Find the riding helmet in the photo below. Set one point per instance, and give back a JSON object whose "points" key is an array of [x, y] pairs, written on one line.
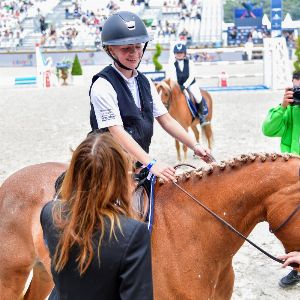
{"points": [[124, 28], [179, 48]]}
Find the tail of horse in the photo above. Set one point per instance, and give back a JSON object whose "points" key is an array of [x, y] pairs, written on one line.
{"points": [[207, 128]]}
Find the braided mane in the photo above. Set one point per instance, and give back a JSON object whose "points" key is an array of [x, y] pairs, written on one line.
{"points": [[235, 162]]}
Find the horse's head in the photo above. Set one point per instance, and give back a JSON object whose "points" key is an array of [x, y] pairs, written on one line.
{"points": [[283, 204], [165, 92]]}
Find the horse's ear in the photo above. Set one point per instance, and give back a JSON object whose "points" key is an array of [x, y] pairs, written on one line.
{"points": [[168, 81]]}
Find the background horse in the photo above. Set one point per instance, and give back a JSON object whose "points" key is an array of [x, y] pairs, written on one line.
{"points": [[192, 251], [174, 99]]}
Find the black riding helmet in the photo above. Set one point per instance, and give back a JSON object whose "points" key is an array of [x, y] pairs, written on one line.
{"points": [[179, 48], [123, 28]]}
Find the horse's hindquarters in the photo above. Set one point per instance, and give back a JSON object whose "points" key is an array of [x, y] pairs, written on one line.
{"points": [[22, 197]]}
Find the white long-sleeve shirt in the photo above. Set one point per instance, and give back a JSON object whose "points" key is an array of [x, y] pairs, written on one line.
{"points": [[194, 88], [171, 72]]}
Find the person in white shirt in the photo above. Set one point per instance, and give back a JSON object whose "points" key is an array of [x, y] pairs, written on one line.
{"points": [[124, 102], [183, 71]]}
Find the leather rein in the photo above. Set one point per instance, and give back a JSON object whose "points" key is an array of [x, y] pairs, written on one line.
{"points": [[229, 226], [286, 220]]}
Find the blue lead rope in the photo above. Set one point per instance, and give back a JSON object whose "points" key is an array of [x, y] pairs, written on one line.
{"points": [[151, 204]]}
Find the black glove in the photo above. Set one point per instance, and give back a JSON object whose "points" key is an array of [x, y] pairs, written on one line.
{"points": [[182, 87]]}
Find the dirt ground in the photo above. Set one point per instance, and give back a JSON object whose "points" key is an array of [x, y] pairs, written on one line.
{"points": [[39, 125]]}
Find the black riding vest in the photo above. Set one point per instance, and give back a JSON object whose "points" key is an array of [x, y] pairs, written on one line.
{"points": [[137, 122], [183, 75]]}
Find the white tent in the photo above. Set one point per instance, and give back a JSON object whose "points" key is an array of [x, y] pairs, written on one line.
{"points": [[266, 21], [288, 22]]}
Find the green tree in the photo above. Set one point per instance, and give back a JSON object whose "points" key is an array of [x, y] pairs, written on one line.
{"points": [[229, 10], [297, 62], [155, 57], [292, 7], [76, 67]]}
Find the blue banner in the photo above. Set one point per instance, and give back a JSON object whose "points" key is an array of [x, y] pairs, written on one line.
{"points": [[276, 17]]}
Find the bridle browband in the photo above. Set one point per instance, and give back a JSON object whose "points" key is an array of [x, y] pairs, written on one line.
{"points": [[229, 226]]}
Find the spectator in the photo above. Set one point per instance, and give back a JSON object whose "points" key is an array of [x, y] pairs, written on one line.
{"points": [[97, 249], [284, 121], [43, 25]]}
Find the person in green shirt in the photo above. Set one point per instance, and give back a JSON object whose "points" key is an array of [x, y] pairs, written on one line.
{"points": [[284, 121]]}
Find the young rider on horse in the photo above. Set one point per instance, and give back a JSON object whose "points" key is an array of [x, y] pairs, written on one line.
{"points": [[183, 71], [125, 103]]}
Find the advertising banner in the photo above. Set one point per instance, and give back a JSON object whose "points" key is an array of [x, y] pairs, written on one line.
{"points": [[276, 17]]}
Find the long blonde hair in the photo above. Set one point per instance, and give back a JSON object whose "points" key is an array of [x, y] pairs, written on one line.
{"points": [[97, 186]]}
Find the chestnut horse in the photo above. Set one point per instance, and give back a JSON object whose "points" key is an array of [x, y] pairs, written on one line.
{"points": [[192, 251], [174, 99]]}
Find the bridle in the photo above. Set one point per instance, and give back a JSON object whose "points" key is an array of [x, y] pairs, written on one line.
{"points": [[286, 220], [229, 226]]}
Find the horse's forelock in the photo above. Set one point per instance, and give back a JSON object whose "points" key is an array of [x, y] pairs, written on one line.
{"points": [[164, 85]]}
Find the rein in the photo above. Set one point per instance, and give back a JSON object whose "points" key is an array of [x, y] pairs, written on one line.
{"points": [[286, 221], [294, 265]]}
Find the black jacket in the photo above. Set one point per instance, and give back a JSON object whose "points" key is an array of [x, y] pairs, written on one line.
{"points": [[125, 265], [137, 122]]}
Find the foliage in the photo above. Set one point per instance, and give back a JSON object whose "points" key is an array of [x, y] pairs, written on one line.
{"points": [[288, 6], [65, 65], [62, 69], [156, 55], [76, 67], [292, 7], [297, 62]]}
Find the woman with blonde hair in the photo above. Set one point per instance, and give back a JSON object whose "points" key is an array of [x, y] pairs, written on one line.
{"points": [[97, 249]]}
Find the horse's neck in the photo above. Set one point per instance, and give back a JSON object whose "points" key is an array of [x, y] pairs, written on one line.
{"points": [[177, 101], [239, 195], [188, 243]]}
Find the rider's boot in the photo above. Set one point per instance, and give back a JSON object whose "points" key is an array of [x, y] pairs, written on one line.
{"points": [[202, 112]]}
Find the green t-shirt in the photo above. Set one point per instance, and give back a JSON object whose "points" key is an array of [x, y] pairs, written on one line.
{"points": [[285, 123]]}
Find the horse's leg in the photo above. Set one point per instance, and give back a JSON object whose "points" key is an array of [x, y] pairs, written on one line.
{"points": [[184, 147], [196, 132], [41, 283], [208, 134], [207, 128], [224, 287], [12, 283], [177, 145], [16, 257]]}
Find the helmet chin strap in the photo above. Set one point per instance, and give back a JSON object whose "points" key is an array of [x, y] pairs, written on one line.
{"points": [[120, 64]]}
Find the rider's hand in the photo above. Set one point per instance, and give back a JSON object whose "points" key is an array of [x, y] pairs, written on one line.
{"points": [[163, 171], [287, 97], [182, 87], [202, 152]]}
